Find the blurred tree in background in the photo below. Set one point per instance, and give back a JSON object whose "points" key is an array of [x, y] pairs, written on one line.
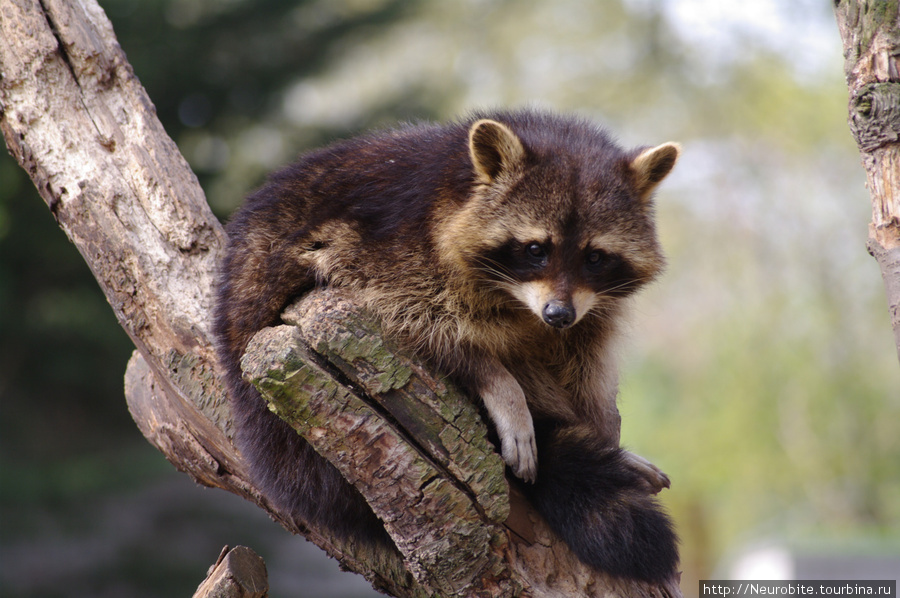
{"points": [[761, 375]]}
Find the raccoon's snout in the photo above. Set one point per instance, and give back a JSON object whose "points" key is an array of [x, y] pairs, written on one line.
{"points": [[559, 314]]}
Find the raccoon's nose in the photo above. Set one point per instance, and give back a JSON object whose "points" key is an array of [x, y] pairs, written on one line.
{"points": [[559, 314]]}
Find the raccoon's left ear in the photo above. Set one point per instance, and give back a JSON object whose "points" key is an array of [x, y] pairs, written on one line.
{"points": [[494, 149], [653, 165]]}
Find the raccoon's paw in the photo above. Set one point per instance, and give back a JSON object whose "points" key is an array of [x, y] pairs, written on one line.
{"points": [[519, 450], [652, 475], [508, 409]]}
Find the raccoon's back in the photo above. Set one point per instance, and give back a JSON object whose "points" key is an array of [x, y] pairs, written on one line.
{"points": [[384, 183]]}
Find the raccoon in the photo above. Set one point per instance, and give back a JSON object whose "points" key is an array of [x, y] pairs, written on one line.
{"points": [[503, 249]]}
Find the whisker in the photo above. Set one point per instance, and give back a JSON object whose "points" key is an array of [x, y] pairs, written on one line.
{"points": [[493, 267], [620, 286]]}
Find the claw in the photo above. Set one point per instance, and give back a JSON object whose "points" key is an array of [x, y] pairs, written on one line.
{"points": [[520, 454], [655, 479]]}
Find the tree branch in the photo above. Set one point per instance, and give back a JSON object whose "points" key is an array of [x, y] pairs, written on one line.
{"points": [[76, 118], [239, 573], [870, 30]]}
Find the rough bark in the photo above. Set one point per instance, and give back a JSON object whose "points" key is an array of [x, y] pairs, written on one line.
{"points": [[76, 118], [238, 573], [870, 30]]}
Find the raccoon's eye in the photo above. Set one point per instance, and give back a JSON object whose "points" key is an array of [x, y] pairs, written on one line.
{"points": [[535, 249], [598, 259]]}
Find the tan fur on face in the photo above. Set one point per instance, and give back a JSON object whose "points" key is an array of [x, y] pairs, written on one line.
{"points": [[584, 301], [533, 294], [536, 294]]}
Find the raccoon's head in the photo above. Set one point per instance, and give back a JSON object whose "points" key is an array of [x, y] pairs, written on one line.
{"points": [[560, 218]]}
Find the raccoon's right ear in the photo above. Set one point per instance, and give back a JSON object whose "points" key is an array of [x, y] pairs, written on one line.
{"points": [[494, 149]]}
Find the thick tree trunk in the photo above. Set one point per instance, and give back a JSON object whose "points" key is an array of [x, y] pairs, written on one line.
{"points": [[870, 30], [75, 116]]}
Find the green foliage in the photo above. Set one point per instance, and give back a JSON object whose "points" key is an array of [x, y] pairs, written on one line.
{"points": [[62, 354]]}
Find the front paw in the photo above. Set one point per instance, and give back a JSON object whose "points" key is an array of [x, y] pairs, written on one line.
{"points": [[519, 450], [653, 476], [508, 409]]}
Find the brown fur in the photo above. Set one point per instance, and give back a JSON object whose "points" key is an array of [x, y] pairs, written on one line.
{"points": [[503, 249]]}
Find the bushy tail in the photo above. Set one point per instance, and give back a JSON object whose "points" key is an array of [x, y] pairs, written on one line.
{"points": [[594, 498]]}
